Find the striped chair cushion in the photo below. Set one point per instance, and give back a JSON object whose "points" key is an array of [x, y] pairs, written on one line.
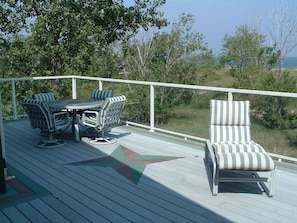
{"points": [[236, 147], [41, 116], [44, 96], [49, 115], [229, 121], [31, 101], [108, 116], [245, 161], [102, 94], [229, 112], [36, 113], [229, 133]]}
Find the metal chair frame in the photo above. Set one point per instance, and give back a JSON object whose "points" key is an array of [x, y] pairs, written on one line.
{"points": [[230, 148], [42, 117], [107, 117]]}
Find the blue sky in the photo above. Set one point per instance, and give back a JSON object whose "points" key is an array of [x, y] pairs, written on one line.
{"points": [[215, 18]]}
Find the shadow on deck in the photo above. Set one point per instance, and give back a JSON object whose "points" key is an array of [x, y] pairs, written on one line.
{"points": [[143, 177]]}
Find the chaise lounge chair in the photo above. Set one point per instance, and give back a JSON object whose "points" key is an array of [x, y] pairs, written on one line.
{"points": [[230, 148]]}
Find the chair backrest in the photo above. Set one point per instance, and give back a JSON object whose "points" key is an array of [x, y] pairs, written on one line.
{"points": [[39, 114], [110, 112], [229, 121], [44, 96], [102, 94]]}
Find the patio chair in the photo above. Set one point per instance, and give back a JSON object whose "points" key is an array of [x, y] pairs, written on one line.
{"points": [[101, 95], [42, 117], [230, 148], [47, 97], [107, 117]]}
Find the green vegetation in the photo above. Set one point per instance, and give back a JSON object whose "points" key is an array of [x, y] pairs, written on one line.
{"points": [[108, 39], [193, 119]]}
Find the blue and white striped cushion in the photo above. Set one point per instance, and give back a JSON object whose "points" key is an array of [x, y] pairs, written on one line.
{"points": [[242, 156], [237, 147], [229, 121], [229, 112], [44, 96], [229, 133], [102, 94], [108, 116], [36, 113], [245, 161]]}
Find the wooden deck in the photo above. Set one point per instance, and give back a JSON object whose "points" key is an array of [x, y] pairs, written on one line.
{"points": [[168, 184]]}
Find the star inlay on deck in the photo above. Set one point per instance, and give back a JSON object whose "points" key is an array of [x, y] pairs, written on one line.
{"points": [[126, 162]]}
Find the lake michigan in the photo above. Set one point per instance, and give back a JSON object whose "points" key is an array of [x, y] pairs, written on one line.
{"points": [[290, 62]]}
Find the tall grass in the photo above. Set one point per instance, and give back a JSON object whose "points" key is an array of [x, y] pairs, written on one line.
{"points": [[193, 121], [187, 120]]}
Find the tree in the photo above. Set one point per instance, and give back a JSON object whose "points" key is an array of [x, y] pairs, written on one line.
{"points": [[283, 33], [68, 36], [242, 51], [179, 56], [276, 112]]}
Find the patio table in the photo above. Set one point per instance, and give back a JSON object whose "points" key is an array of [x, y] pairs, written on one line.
{"points": [[73, 106]]}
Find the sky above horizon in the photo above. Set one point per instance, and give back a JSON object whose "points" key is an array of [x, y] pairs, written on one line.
{"points": [[215, 18]]}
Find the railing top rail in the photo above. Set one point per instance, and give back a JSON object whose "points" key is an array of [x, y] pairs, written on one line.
{"points": [[34, 78], [160, 84], [194, 87]]}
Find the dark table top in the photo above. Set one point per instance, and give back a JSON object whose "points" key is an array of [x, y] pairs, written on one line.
{"points": [[75, 104]]}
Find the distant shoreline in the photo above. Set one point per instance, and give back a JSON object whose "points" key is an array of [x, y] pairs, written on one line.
{"points": [[289, 62]]}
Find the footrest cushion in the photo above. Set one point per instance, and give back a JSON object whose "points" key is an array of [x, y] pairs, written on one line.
{"points": [[242, 156]]}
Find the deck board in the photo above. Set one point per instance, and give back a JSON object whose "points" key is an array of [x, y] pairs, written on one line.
{"points": [[15, 215], [4, 219], [31, 213], [169, 191], [49, 207]]}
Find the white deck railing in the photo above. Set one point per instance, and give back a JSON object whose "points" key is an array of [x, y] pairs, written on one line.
{"points": [[152, 85]]}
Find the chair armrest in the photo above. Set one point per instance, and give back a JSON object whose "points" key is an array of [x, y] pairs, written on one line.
{"points": [[61, 118], [211, 167], [209, 151], [91, 112], [90, 118], [61, 114], [210, 156]]}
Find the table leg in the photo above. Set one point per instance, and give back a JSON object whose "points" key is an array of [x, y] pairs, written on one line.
{"points": [[75, 127], [76, 132]]}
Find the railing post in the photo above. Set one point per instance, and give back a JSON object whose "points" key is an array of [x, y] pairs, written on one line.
{"points": [[2, 153], [230, 96], [74, 88], [152, 108], [14, 100], [100, 85]]}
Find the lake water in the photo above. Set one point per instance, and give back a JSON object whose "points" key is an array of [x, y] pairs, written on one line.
{"points": [[290, 62]]}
